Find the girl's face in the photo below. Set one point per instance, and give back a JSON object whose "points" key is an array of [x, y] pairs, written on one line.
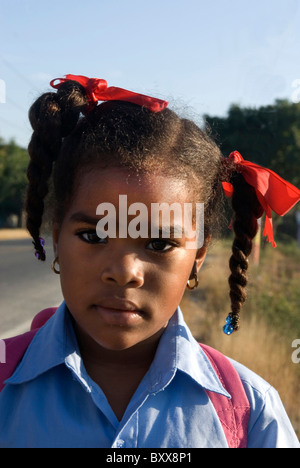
{"points": [[123, 290]]}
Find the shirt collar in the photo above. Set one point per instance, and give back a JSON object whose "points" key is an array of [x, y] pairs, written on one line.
{"points": [[177, 351]]}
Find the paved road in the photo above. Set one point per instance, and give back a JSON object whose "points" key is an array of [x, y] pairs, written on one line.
{"points": [[26, 285]]}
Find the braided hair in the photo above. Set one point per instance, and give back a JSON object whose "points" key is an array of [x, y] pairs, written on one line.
{"points": [[52, 117], [247, 211], [68, 138]]}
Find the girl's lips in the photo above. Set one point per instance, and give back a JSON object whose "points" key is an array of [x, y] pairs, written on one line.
{"points": [[119, 317]]}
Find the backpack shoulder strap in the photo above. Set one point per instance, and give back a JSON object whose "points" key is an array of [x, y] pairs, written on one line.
{"points": [[16, 347], [42, 317], [233, 413]]}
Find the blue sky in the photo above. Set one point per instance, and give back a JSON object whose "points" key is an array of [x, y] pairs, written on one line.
{"points": [[200, 55]]}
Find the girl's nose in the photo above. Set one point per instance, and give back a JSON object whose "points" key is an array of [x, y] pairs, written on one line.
{"points": [[124, 270]]}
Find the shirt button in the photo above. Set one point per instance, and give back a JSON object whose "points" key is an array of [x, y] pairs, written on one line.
{"points": [[120, 443]]}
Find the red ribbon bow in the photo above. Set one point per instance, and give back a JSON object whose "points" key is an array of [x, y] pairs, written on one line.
{"points": [[273, 192], [97, 90]]}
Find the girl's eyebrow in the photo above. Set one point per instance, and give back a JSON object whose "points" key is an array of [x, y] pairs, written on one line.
{"points": [[81, 217], [169, 231]]}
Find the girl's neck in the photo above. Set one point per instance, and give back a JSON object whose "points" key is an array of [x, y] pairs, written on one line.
{"points": [[138, 356], [118, 373]]}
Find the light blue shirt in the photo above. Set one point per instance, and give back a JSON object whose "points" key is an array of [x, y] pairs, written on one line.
{"points": [[50, 400]]}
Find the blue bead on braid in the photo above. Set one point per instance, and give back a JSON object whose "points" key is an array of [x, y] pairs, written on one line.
{"points": [[228, 328]]}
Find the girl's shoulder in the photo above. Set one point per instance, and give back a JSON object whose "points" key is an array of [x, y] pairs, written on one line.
{"points": [[260, 393], [269, 425], [15, 347], [251, 380]]}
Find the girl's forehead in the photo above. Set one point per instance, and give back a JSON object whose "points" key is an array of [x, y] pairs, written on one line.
{"points": [[111, 182]]}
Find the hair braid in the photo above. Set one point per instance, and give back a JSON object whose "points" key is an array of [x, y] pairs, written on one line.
{"points": [[52, 116], [247, 210]]}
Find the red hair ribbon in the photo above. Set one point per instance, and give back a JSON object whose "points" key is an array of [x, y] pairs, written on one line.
{"points": [[97, 90], [273, 192]]}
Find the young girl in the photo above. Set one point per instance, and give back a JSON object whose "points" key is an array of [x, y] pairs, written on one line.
{"points": [[116, 365]]}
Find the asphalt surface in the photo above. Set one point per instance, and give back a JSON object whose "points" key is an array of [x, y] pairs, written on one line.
{"points": [[26, 285]]}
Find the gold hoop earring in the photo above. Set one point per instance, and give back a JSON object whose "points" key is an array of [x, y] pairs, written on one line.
{"points": [[195, 278], [53, 266]]}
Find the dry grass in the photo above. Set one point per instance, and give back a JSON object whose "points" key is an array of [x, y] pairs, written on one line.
{"points": [[260, 344], [7, 234]]}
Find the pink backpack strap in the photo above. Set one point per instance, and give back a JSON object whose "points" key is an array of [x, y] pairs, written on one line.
{"points": [[41, 318], [233, 413], [16, 347]]}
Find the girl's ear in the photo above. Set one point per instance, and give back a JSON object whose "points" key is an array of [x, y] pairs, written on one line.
{"points": [[200, 257], [55, 237], [201, 254]]}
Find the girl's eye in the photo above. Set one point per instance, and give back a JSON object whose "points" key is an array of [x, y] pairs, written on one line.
{"points": [[90, 237], [161, 245], [156, 245]]}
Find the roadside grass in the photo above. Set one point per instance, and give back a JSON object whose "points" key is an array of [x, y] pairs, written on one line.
{"points": [[270, 319], [8, 234]]}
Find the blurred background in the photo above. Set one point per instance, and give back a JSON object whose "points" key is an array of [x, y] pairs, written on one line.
{"points": [[232, 65]]}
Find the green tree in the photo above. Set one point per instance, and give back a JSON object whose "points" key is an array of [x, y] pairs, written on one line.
{"points": [[13, 180], [269, 136]]}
